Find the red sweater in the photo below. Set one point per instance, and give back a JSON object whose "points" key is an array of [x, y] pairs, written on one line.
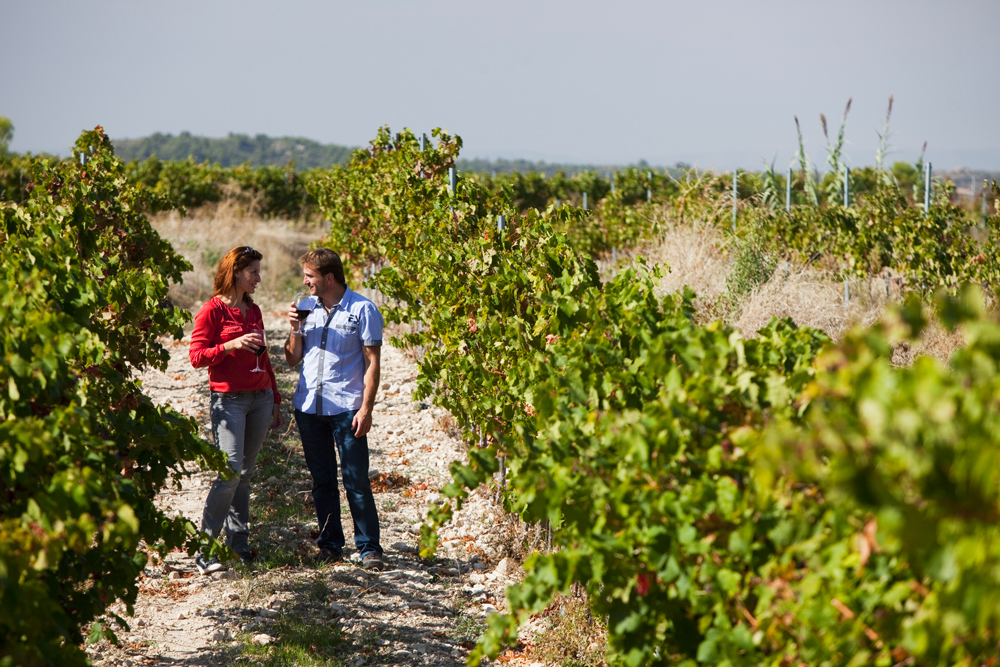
{"points": [[215, 324]]}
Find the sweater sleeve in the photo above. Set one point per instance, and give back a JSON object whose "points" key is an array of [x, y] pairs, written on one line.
{"points": [[206, 324]]}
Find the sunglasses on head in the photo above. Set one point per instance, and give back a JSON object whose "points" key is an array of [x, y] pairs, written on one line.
{"points": [[248, 251]]}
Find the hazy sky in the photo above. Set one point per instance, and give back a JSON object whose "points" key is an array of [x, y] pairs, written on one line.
{"points": [[714, 83]]}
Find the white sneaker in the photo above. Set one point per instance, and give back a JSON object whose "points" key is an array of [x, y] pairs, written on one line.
{"points": [[208, 566]]}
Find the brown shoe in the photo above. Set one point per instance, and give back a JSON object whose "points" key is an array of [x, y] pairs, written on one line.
{"points": [[372, 561]]}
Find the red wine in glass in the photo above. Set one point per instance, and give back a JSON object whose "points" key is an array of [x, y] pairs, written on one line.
{"points": [[300, 312], [261, 349]]}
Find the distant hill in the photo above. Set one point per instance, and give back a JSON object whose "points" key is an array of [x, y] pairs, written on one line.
{"points": [[264, 150], [234, 150]]}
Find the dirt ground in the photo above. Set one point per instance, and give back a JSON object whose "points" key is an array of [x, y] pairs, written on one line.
{"points": [[285, 609]]}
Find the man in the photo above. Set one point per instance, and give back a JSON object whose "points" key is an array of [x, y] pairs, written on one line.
{"points": [[340, 344]]}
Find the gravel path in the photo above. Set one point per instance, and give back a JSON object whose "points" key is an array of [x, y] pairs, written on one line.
{"points": [[285, 609]]}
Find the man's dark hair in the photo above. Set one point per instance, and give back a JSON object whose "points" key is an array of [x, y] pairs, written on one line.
{"points": [[325, 261]]}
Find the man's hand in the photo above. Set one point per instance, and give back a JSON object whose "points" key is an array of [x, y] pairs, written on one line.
{"points": [[362, 423], [277, 419], [294, 346]]}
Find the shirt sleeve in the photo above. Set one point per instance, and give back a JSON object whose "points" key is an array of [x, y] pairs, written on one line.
{"points": [[371, 325], [206, 325]]}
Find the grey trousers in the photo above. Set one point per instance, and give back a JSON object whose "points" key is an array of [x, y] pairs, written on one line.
{"points": [[240, 421]]}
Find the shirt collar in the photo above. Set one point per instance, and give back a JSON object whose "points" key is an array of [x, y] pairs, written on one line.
{"points": [[344, 300]]}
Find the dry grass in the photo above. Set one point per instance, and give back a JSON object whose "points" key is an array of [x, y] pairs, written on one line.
{"points": [[810, 298], [697, 256], [694, 254], [570, 635], [207, 234]]}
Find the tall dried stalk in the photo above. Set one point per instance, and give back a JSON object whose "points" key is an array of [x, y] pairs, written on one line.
{"points": [[810, 183], [833, 153]]}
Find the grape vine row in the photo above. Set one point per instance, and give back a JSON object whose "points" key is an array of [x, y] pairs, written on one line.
{"points": [[82, 451], [704, 486]]}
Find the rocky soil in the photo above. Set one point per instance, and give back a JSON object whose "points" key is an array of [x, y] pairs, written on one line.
{"points": [[285, 609]]}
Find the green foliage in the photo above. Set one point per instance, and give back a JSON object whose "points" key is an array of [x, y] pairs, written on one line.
{"points": [[234, 150], [616, 414], [880, 230], [753, 264], [83, 285], [917, 448], [15, 176], [268, 191], [636, 433], [909, 178], [6, 134]]}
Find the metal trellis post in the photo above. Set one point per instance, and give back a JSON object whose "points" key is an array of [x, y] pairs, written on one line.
{"points": [[984, 202], [927, 189], [788, 192], [736, 175], [847, 186]]}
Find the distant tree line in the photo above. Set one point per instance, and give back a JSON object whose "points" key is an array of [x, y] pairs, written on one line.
{"points": [[236, 149], [549, 169]]}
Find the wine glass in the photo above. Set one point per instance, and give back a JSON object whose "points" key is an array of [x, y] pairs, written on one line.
{"points": [[301, 312], [261, 349]]}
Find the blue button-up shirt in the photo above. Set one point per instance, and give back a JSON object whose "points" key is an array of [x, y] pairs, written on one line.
{"points": [[333, 367]]}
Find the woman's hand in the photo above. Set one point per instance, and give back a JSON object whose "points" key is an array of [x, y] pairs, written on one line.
{"points": [[277, 419], [250, 342]]}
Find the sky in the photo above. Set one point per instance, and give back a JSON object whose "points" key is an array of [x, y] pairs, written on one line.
{"points": [[715, 83]]}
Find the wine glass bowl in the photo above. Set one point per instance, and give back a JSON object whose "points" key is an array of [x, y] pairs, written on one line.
{"points": [[300, 312], [261, 349]]}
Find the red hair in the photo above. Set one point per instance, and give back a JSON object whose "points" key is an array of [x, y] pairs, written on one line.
{"points": [[235, 261]]}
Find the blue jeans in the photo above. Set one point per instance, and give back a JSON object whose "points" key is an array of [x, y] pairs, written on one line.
{"points": [[240, 421], [323, 437]]}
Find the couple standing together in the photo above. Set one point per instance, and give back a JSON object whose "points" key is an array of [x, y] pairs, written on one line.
{"points": [[338, 344]]}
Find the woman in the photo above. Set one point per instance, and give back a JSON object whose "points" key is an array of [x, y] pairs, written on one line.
{"points": [[227, 335]]}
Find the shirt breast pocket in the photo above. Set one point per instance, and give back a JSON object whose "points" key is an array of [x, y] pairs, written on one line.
{"points": [[346, 338]]}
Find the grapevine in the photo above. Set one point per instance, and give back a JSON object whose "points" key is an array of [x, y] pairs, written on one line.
{"points": [[82, 450]]}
